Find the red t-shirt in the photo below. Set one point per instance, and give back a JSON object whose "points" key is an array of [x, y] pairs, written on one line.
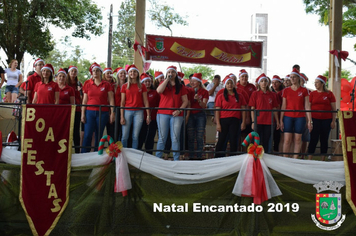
{"points": [[78, 99], [202, 93], [153, 101], [46, 92], [118, 96], [97, 94], [263, 101], [32, 81], [133, 95], [169, 99], [220, 102], [239, 91], [65, 94], [321, 102], [295, 100], [249, 88]]}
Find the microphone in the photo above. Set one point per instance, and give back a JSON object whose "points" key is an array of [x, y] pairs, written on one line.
{"points": [[169, 77], [196, 91]]}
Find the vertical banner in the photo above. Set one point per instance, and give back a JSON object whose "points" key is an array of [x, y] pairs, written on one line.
{"points": [[348, 135], [46, 151]]}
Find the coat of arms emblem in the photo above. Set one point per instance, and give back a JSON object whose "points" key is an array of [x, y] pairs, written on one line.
{"points": [[328, 206], [159, 45]]}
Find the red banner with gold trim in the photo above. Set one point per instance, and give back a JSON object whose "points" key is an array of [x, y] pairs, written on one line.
{"points": [[46, 148], [348, 135], [214, 52]]}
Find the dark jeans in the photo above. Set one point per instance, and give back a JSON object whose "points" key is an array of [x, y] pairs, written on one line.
{"points": [[321, 129], [147, 136], [196, 128], [230, 129], [76, 131], [264, 131]]}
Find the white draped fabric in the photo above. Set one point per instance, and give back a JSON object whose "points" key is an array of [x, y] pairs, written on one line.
{"points": [[193, 172]]}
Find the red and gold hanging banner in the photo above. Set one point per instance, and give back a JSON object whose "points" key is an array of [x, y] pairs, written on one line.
{"points": [[214, 52], [348, 135], [46, 149]]}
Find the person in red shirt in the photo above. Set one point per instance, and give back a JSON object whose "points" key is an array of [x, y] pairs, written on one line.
{"points": [[46, 91], [108, 77], [133, 94], [73, 82], [172, 95], [66, 93], [159, 77], [96, 92], [321, 100], [292, 123], [229, 123], [148, 131], [34, 79], [197, 118], [277, 89], [263, 99]]}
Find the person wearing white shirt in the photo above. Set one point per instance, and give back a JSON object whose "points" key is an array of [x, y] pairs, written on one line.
{"points": [[213, 88], [14, 80]]}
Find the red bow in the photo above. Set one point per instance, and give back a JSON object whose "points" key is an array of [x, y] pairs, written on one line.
{"points": [[343, 54], [114, 150], [255, 150], [143, 49]]}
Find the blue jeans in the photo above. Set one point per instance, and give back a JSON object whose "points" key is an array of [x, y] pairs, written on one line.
{"points": [[211, 105], [294, 124], [196, 128], [134, 117], [92, 125], [173, 124]]}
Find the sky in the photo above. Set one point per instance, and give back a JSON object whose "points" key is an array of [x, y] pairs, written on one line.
{"points": [[294, 37]]}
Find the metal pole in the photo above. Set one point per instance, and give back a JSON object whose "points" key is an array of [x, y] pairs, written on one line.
{"points": [[110, 38]]}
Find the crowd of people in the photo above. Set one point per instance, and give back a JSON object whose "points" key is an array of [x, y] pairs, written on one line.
{"points": [[134, 107]]}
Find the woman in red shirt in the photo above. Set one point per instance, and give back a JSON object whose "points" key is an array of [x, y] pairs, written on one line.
{"points": [[321, 100], [108, 77], [172, 95], [66, 93], [292, 123], [121, 75], [133, 94], [46, 91], [229, 123], [96, 92], [263, 99], [148, 132], [197, 118]]}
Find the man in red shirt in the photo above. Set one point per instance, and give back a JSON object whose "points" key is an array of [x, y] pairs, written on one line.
{"points": [[34, 79]]}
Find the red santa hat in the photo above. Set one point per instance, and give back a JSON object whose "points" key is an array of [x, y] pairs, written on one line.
{"points": [[197, 76], [38, 60], [231, 75], [93, 66], [158, 74], [11, 137], [144, 77], [48, 67], [72, 68], [261, 77], [321, 78], [132, 67], [107, 70], [171, 68], [62, 71], [295, 72], [180, 75], [287, 77], [304, 77], [243, 72], [119, 69], [227, 78], [277, 78]]}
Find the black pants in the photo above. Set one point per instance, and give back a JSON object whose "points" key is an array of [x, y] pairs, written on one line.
{"points": [[264, 131], [321, 129], [76, 131], [230, 128], [147, 136]]}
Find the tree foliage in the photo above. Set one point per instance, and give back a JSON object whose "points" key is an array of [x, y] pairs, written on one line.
{"points": [[24, 24], [322, 8], [206, 71], [344, 74]]}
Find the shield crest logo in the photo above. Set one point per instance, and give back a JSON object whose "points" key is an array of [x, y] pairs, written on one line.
{"points": [[159, 45], [328, 214], [328, 208]]}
